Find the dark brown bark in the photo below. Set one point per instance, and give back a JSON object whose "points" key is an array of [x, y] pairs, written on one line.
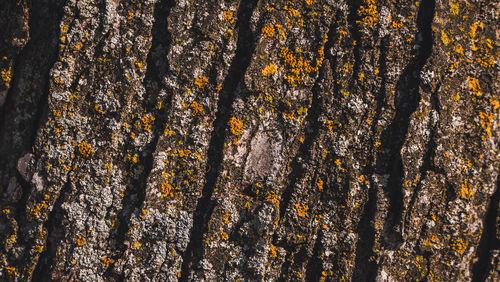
{"points": [[250, 140]]}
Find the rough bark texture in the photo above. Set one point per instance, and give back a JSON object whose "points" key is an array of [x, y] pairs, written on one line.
{"points": [[249, 140]]}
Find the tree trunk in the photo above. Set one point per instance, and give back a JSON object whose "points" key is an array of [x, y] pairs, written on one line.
{"points": [[250, 140]]}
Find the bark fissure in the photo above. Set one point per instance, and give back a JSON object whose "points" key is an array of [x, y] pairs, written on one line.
{"points": [[241, 61], [489, 240], [54, 237], [406, 102], [156, 70]]}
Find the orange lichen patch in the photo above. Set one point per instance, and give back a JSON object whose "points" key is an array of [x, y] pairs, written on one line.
{"points": [[397, 24], [80, 240], [486, 122], [167, 190], [105, 261], [444, 38], [298, 66], [132, 135], [337, 162], [320, 184], [459, 246], [268, 31], [6, 74], [301, 209], [223, 235], [454, 7], [98, 109], [458, 49], [6, 211], [272, 251], [201, 81], [64, 29], [269, 69], [272, 197], [363, 179], [228, 16], [466, 190], [36, 209], [85, 149], [139, 65], [368, 12], [183, 153], [309, 2], [495, 103], [10, 270], [147, 120], [168, 131], [227, 215], [196, 107], [474, 86], [292, 12], [236, 126], [473, 28]]}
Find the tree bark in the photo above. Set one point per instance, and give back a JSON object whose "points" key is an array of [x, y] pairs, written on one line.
{"points": [[249, 140]]}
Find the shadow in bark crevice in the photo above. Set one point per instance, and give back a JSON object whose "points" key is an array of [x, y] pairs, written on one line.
{"points": [[157, 68], [55, 235], [406, 101], [489, 240], [204, 208], [365, 268]]}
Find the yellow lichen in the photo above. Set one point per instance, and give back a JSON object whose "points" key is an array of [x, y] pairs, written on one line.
{"points": [[197, 108], [269, 69], [147, 120], [236, 126], [444, 38], [105, 261], [459, 246], [227, 215], [466, 190], [223, 235], [167, 190], [298, 66], [6, 74], [80, 240], [301, 209], [268, 31], [363, 179], [486, 122], [474, 27], [368, 12], [85, 149], [474, 86], [201, 81], [320, 184], [10, 270], [272, 251], [228, 16]]}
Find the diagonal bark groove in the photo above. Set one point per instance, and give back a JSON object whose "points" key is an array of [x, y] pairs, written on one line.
{"points": [[489, 240], [156, 70], [406, 102], [241, 61]]}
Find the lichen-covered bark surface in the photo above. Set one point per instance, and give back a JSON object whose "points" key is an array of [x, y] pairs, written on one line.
{"points": [[249, 140]]}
